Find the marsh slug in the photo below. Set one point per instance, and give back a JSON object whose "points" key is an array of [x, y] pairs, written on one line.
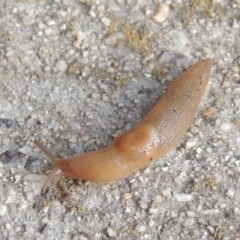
{"points": [[158, 132]]}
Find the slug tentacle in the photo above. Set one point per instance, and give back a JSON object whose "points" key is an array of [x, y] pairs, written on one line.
{"points": [[56, 171], [46, 152]]}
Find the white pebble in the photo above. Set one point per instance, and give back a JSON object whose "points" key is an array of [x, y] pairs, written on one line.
{"points": [[61, 66], [151, 223], [178, 38], [34, 178], [24, 150], [30, 229], [191, 142], [41, 26], [44, 131], [72, 140], [225, 126], [191, 214], [230, 193], [111, 232], [237, 102], [48, 31], [140, 228], [161, 12], [6, 141], [85, 138], [51, 23], [106, 21], [111, 40], [182, 197], [3, 209], [5, 106], [210, 211], [8, 226], [28, 20]]}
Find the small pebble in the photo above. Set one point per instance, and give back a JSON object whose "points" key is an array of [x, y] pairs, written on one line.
{"points": [[48, 31], [106, 21], [237, 102], [178, 38], [25, 150], [230, 193], [3, 209], [5, 106], [44, 131], [111, 232], [30, 229], [161, 12], [140, 228], [111, 40], [126, 196], [8, 226], [225, 127], [182, 197], [61, 66], [191, 142], [85, 138], [210, 211], [191, 214], [34, 178], [28, 20], [151, 223]]}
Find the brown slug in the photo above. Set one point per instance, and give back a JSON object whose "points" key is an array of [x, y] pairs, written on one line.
{"points": [[158, 132]]}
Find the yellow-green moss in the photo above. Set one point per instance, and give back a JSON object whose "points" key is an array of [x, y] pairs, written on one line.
{"points": [[134, 37], [75, 68], [211, 181]]}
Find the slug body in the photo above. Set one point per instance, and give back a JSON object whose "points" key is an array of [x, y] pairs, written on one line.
{"points": [[158, 132]]}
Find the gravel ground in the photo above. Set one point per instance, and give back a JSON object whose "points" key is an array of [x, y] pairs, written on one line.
{"points": [[74, 74]]}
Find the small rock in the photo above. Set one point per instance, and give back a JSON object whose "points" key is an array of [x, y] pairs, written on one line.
{"points": [[140, 228], [182, 197], [191, 214], [3, 209], [8, 157], [236, 102], [34, 177], [44, 131], [29, 166], [111, 232], [28, 20], [85, 138], [106, 21], [210, 211], [191, 142], [48, 31], [178, 38], [5, 106], [161, 12], [30, 229], [230, 193], [61, 66], [111, 40], [126, 196], [25, 150], [225, 126]]}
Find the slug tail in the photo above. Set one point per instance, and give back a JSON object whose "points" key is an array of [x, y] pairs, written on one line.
{"points": [[56, 171]]}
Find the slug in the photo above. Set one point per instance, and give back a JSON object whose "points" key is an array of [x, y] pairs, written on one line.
{"points": [[156, 134]]}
